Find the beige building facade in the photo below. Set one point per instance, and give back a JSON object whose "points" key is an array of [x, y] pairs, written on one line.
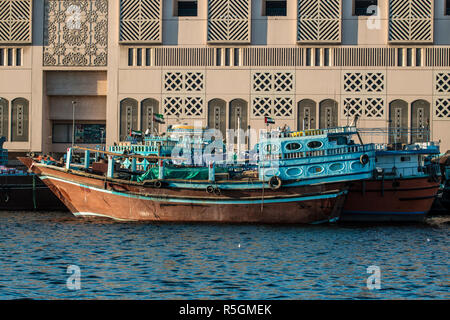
{"points": [[109, 66]]}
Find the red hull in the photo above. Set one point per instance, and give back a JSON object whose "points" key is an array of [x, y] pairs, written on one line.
{"points": [[95, 196], [389, 200]]}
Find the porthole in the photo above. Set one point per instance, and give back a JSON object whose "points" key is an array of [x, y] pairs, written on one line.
{"points": [[315, 144], [337, 167], [316, 170], [294, 172], [293, 146]]}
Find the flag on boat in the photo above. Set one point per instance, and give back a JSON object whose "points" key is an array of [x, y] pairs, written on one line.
{"points": [[269, 120], [158, 118], [135, 133]]}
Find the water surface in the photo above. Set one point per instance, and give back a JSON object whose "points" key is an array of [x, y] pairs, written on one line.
{"points": [[204, 261]]}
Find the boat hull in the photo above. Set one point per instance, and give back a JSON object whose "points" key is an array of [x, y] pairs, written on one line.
{"points": [[27, 192], [390, 200], [100, 197]]}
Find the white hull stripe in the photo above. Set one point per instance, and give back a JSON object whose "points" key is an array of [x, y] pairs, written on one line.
{"points": [[195, 201]]}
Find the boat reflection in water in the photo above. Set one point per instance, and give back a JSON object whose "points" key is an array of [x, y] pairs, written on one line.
{"points": [[292, 177]]}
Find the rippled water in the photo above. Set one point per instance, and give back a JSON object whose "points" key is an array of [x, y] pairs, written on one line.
{"points": [[191, 261]]}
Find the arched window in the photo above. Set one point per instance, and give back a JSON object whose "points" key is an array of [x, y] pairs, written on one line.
{"points": [[19, 120], [217, 116], [128, 117], [238, 116], [306, 118], [398, 122], [420, 121], [328, 114], [4, 115], [149, 107]]}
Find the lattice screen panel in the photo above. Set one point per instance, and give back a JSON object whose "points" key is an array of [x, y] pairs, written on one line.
{"points": [[15, 21], [274, 106], [319, 21], [411, 20], [364, 82], [183, 107], [370, 108], [140, 21], [442, 82], [274, 82], [442, 108], [184, 82], [229, 21]]}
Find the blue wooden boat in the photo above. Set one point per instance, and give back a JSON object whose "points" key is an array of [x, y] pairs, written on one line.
{"points": [[298, 177]]}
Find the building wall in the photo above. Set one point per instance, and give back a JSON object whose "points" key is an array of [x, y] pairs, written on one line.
{"points": [[270, 66]]}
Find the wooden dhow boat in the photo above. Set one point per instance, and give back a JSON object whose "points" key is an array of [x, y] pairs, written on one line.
{"points": [[300, 177]]}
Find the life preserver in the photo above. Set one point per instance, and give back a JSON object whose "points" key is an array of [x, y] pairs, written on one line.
{"points": [[210, 189], [157, 184], [364, 159], [275, 183], [217, 191]]}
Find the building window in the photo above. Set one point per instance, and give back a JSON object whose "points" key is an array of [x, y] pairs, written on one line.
{"points": [[84, 133], [317, 57], [308, 57], [130, 56], [128, 117], [19, 121], [218, 57], [326, 57], [148, 57], [18, 57], [418, 57], [275, 8], [185, 8], [237, 57], [4, 115], [10, 57], [363, 7], [400, 57], [2, 57], [447, 7], [409, 57], [139, 57], [227, 57]]}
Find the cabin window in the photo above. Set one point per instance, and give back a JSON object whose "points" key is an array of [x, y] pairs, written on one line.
{"points": [[364, 7], [340, 141], [315, 144], [294, 146], [185, 8], [405, 159], [275, 8], [447, 7]]}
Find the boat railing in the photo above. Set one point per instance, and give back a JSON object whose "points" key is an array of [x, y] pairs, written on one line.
{"points": [[308, 133], [327, 152]]}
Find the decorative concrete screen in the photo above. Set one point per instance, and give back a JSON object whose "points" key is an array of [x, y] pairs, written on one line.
{"points": [[364, 95], [76, 33], [411, 21], [15, 21], [442, 95], [273, 94], [229, 21], [140, 21], [319, 21], [184, 94]]}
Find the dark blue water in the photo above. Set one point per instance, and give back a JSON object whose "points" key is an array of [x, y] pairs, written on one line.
{"points": [[186, 261]]}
